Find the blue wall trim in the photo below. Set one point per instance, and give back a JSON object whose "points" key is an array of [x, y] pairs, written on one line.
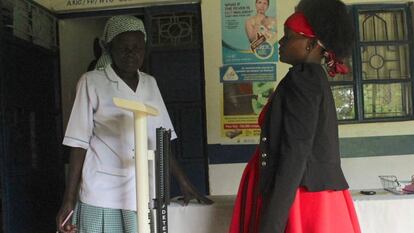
{"points": [[349, 148], [377, 146], [229, 153]]}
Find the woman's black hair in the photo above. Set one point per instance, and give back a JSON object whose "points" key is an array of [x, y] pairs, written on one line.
{"points": [[332, 24]]}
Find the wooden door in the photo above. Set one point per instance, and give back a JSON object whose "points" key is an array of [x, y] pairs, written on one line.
{"points": [[175, 59]]}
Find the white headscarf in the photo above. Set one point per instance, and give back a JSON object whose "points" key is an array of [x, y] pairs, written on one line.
{"points": [[115, 26]]}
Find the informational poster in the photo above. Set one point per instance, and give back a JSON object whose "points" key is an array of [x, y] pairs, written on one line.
{"points": [[242, 103], [249, 31], [248, 74], [263, 72]]}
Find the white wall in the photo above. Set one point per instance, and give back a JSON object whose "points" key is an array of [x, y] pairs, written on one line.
{"points": [[76, 52], [45, 3], [360, 172]]}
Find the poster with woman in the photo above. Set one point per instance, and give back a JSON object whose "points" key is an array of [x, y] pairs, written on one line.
{"points": [[249, 31], [248, 74]]}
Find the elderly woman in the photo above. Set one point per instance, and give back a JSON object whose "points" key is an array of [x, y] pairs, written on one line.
{"points": [[101, 182]]}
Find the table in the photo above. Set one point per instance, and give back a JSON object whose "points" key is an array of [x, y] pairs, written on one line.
{"points": [[385, 212], [196, 218], [381, 213]]}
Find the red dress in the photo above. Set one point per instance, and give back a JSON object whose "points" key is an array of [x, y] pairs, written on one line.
{"points": [[311, 212]]}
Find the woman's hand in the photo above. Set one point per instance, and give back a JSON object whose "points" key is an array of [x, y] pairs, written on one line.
{"points": [[77, 157], [190, 192], [64, 212], [187, 188]]}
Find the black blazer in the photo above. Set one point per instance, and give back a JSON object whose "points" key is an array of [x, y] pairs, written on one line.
{"points": [[299, 144]]}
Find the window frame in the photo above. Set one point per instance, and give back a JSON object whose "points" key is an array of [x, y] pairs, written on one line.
{"points": [[358, 82]]}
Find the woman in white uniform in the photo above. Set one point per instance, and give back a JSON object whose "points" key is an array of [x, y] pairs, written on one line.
{"points": [[101, 182]]}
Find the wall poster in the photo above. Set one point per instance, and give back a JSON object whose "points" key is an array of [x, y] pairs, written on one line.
{"points": [[248, 74], [249, 31]]}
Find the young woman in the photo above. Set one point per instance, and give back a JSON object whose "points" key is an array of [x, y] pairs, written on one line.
{"points": [[101, 182], [294, 182]]}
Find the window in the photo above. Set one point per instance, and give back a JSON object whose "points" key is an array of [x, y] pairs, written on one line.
{"points": [[176, 29], [29, 21], [379, 86]]}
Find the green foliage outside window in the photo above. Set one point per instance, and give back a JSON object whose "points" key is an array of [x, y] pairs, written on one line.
{"points": [[380, 84]]}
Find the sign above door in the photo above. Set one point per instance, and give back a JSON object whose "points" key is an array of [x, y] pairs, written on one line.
{"points": [[69, 6]]}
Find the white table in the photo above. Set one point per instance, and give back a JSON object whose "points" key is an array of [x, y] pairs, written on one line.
{"points": [[196, 218], [380, 213], [385, 212]]}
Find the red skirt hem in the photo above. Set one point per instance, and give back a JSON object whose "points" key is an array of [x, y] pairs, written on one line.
{"points": [[322, 212], [311, 212]]}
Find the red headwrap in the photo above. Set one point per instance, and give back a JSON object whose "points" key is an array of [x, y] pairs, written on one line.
{"points": [[298, 23]]}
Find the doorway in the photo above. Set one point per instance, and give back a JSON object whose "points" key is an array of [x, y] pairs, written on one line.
{"points": [[174, 57]]}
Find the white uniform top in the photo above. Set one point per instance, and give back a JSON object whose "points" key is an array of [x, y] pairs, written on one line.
{"points": [[107, 133]]}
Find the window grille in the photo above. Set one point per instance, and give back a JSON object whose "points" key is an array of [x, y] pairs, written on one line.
{"points": [[379, 88], [172, 30], [27, 21]]}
